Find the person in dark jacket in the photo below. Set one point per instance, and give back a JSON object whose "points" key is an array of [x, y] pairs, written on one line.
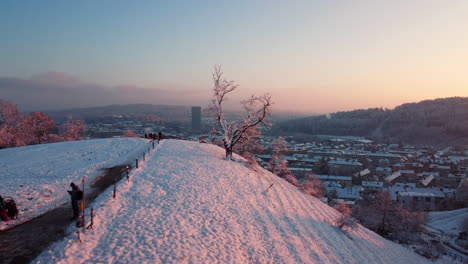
{"points": [[160, 136], [75, 194]]}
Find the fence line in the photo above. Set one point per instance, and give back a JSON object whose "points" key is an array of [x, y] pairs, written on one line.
{"points": [[90, 226]]}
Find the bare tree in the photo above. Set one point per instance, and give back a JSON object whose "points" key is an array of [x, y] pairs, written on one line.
{"points": [[250, 143], [75, 129], [277, 164], [10, 121], [232, 132], [313, 186], [388, 218], [17, 129], [345, 220], [39, 127]]}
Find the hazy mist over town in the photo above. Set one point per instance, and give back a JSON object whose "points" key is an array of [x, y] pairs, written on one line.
{"points": [[234, 132]]}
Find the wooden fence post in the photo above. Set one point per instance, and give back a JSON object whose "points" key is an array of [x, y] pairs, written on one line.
{"points": [[128, 172], [83, 205], [136, 163], [115, 190], [144, 156], [91, 222]]}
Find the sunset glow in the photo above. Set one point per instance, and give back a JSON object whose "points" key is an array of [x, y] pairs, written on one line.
{"points": [[311, 56]]}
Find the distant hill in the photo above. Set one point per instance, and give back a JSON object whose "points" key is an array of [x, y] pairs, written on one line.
{"points": [[436, 122], [172, 112]]}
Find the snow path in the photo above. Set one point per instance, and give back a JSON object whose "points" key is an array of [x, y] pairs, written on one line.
{"points": [[186, 204], [38, 176]]}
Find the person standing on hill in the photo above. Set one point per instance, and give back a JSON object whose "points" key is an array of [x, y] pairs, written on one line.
{"points": [[160, 136], [75, 194]]}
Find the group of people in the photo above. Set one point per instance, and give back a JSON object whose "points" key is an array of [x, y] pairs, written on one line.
{"points": [[154, 136], [9, 211]]}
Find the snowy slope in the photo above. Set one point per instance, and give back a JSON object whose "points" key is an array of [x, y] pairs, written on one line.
{"points": [[188, 205], [38, 176], [450, 222]]}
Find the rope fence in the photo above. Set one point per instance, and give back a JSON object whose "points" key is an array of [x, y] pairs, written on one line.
{"points": [[81, 221]]}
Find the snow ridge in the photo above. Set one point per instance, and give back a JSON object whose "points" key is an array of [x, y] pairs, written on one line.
{"points": [[186, 204]]}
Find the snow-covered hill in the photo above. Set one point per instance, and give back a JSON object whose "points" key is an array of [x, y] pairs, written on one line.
{"points": [[450, 222], [37, 177], [187, 204]]}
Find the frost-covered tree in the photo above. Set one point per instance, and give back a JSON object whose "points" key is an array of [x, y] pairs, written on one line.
{"points": [[129, 133], [250, 143], [75, 128], [313, 186], [277, 164], [385, 216], [17, 129], [234, 131], [345, 220], [10, 121], [39, 127]]}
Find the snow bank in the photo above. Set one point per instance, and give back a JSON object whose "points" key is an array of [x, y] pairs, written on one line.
{"points": [[38, 176], [187, 204], [450, 222]]}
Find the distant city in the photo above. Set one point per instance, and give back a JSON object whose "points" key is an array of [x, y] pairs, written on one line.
{"points": [[351, 168]]}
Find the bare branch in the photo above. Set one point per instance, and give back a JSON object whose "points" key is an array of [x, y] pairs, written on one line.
{"points": [[257, 110]]}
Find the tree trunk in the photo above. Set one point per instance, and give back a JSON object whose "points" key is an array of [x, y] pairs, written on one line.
{"points": [[228, 153]]}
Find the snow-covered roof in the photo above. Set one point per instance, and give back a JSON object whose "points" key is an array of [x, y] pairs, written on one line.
{"points": [[364, 172], [365, 141], [428, 180], [411, 188], [345, 162], [383, 169], [384, 155], [300, 169], [312, 160], [419, 194], [427, 173], [437, 166], [290, 158], [300, 156], [331, 184], [407, 171], [393, 176], [334, 178], [372, 184]]}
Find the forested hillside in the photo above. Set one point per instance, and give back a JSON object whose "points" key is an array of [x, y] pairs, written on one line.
{"points": [[436, 122]]}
